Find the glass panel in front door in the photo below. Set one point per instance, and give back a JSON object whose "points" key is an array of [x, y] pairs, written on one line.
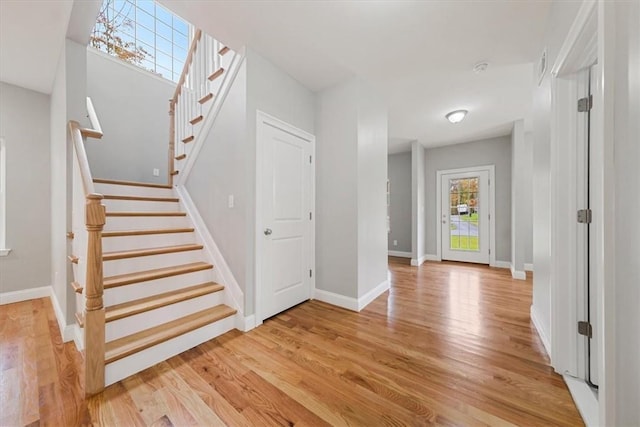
{"points": [[464, 209]]}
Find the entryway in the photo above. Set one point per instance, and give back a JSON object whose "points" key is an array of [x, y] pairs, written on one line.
{"points": [[465, 199], [285, 237]]}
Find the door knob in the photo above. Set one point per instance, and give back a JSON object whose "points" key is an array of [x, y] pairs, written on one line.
{"points": [[267, 231]]}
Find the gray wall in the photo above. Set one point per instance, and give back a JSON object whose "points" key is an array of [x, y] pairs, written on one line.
{"points": [[132, 106], [495, 151], [560, 19], [399, 172], [24, 125], [227, 164]]}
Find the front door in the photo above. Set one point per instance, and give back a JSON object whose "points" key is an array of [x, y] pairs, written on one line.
{"points": [[286, 198], [465, 216]]}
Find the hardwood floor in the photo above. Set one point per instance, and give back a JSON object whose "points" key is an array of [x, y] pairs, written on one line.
{"points": [[449, 344]]}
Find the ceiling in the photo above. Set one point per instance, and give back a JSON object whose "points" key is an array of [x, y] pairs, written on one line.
{"points": [[418, 54], [31, 38]]}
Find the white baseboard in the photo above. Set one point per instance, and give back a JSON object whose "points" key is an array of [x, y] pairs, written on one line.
{"points": [[528, 267], [517, 274], [374, 293], [66, 331], [245, 323], [349, 303], [400, 254], [432, 257], [233, 293], [501, 264], [535, 318], [585, 400], [418, 262], [24, 295], [78, 337]]}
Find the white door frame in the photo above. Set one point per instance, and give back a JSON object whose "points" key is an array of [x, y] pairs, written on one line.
{"points": [[492, 208], [581, 48], [264, 119]]}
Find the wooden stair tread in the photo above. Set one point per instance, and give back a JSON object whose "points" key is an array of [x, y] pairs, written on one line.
{"points": [[206, 98], [216, 74], [141, 198], [77, 287], [158, 273], [157, 213], [223, 51], [126, 346], [110, 256], [146, 232], [188, 139], [174, 173], [74, 259], [196, 120], [133, 183], [180, 157], [80, 319], [130, 308]]}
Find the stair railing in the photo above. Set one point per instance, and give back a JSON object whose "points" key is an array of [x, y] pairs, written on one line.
{"points": [[87, 241], [204, 72]]}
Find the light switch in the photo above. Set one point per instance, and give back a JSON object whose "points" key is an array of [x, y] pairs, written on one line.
{"points": [[156, 172], [231, 201]]}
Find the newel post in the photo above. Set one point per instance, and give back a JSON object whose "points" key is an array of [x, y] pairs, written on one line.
{"points": [[94, 334]]}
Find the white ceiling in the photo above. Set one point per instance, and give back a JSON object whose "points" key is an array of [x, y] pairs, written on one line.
{"points": [[418, 54], [32, 35]]}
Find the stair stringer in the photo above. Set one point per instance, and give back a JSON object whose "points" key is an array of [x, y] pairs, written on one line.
{"points": [[233, 295], [210, 118]]}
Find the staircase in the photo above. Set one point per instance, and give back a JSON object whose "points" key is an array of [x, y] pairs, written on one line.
{"points": [[160, 297]]}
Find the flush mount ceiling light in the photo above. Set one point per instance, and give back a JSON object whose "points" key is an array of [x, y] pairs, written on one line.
{"points": [[456, 116], [480, 67]]}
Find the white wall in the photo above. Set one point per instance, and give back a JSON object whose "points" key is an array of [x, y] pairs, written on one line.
{"points": [[494, 151], [418, 197], [132, 106], [226, 164], [337, 190], [561, 17], [372, 190], [351, 151], [627, 204], [24, 125], [399, 172]]}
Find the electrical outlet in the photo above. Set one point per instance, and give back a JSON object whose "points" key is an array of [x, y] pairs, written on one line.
{"points": [[156, 172], [231, 201], [395, 243]]}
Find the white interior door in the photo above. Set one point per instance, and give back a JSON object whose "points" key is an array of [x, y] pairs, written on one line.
{"points": [[465, 216], [286, 198]]}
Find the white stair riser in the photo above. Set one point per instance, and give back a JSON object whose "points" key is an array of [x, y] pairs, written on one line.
{"points": [[122, 223], [134, 291], [142, 360], [110, 244], [139, 322], [151, 262], [133, 190], [140, 206]]}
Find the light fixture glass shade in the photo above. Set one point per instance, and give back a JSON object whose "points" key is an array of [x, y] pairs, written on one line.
{"points": [[456, 116]]}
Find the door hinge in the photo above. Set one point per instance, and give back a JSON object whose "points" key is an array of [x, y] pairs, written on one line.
{"points": [[310, 157], [584, 328], [310, 273], [489, 251], [585, 104], [584, 216]]}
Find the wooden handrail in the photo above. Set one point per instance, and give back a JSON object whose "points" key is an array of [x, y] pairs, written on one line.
{"points": [[96, 132], [187, 65], [81, 154]]}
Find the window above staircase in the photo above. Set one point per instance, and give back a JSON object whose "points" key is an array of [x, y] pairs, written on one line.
{"points": [[145, 34]]}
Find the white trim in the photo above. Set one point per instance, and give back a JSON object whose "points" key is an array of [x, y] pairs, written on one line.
{"points": [[544, 337], [585, 400], [245, 323], [210, 119], [492, 208], [400, 254], [66, 331], [501, 264], [517, 274], [419, 261], [338, 300], [24, 295], [5, 252], [78, 337], [528, 267], [374, 293], [261, 119], [233, 295], [432, 257]]}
